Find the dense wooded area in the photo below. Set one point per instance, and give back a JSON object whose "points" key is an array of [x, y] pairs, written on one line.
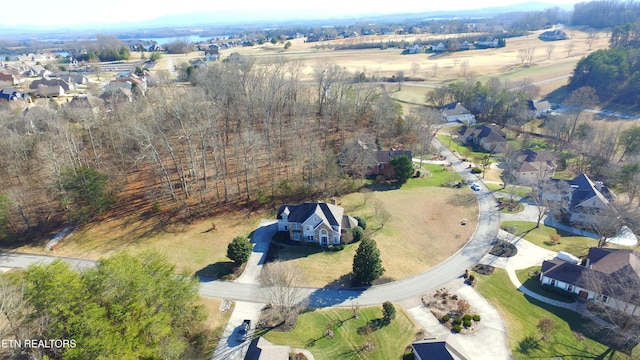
{"points": [[240, 132]]}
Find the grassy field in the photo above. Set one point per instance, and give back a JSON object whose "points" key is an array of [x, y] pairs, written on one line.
{"points": [[521, 315], [390, 341], [423, 230], [191, 247], [576, 245]]}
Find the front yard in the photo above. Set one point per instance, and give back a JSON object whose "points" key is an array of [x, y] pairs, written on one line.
{"points": [[541, 236], [423, 230], [389, 341], [574, 335]]}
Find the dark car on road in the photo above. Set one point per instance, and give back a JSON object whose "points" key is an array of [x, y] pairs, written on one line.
{"points": [[243, 332]]}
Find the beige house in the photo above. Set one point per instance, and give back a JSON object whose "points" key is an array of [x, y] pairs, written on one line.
{"points": [[488, 136], [535, 166], [589, 200]]}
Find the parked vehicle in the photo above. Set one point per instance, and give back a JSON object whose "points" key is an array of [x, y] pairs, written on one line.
{"points": [[243, 332], [475, 187]]}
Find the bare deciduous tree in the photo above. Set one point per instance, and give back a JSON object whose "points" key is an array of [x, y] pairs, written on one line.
{"points": [[280, 281]]}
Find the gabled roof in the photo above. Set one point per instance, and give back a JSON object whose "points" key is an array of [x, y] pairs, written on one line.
{"points": [[383, 157], [490, 132], [454, 109], [539, 105], [618, 268], [440, 348], [535, 160], [301, 212], [585, 189]]}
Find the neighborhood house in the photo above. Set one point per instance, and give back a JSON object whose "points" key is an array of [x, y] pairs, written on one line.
{"points": [[319, 222], [606, 278], [534, 166], [456, 112], [489, 137]]}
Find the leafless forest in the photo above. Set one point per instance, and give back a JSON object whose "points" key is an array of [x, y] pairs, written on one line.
{"points": [[240, 134]]}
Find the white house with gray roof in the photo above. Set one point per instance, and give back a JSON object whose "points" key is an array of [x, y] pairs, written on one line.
{"points": [[319, 222]]}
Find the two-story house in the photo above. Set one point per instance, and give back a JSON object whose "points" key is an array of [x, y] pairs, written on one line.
{"points": [[317, 222]]}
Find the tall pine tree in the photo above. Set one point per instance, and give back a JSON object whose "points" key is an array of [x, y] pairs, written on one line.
{"points": [[367, 265]]}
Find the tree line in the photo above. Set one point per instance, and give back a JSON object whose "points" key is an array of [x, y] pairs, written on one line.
{"points": [[605, 13], [250, 133]]}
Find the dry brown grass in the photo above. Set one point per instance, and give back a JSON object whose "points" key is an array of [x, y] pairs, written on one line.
{"points": [[503, 62], [191, 247], [216, 319]]}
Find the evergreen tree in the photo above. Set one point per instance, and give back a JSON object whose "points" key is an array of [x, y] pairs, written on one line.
{"points": [[388, 312], [86, 192], [402, 167], [367, 265], [239, 250]]}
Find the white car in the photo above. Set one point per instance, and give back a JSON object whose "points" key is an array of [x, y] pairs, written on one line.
{"points": [[475, 187]]}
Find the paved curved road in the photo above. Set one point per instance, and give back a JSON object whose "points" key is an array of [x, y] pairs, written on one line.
{"points": [[469, 255]]}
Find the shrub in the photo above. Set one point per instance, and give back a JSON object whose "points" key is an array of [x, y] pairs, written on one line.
{"points": [[446, 318], [555, 238], [558, 291], [471, 278], [457, 321], [346, 237], [357, 233], [476, 317], [457, 329], [467, 317], [467, 323], [362, 222], [476, 170], [239, 250]]}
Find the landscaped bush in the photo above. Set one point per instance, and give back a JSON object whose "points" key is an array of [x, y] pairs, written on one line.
{"points": [[555, 239], [457, 328], [357, 233], [337, 247], [476, 170], [558, 291], [466, 317], [446, 318], [362, 222], [467, 323], [476, 317], [457, 321]]}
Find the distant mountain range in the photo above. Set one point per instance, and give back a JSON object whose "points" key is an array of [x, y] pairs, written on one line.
{"points": [[239, 20]]}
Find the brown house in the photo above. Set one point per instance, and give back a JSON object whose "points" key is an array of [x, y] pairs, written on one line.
{"points": [[488, 136]]}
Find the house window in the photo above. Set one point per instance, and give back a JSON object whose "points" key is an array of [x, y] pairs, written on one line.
{"points": [[296, 236], [570, 288], [308, 227], [553, 282], [286, 228], [605, 298], [309, 238]]}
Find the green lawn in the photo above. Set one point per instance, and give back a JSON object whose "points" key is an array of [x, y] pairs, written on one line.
{"points": [[521, 315], [576, 245], [390, 341], [433, 175], [533, 284]]}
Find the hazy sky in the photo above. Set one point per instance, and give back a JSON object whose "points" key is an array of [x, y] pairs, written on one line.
{"points": [[64, 13]]}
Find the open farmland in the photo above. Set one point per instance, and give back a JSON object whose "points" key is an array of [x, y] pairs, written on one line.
{"points": [[550, 59]]}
